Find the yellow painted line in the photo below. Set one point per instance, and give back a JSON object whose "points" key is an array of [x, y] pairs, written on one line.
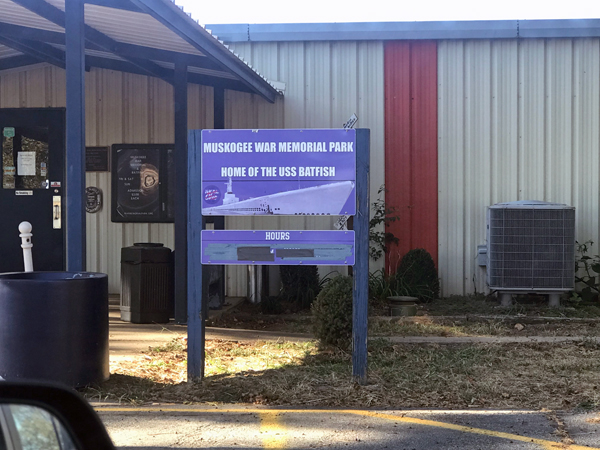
{"points": [[273, 431], [277, 438]]}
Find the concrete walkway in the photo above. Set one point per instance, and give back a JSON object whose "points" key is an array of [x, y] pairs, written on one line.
{"points": [[488, 339], [127, 340]]}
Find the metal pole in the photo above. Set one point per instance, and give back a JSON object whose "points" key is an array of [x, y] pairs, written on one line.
{"points": [[360, 305], [196, 311], [181, 187], [75, 162]]}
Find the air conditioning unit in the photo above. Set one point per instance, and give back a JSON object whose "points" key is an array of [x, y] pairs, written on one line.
{"points": [[531, 248]]}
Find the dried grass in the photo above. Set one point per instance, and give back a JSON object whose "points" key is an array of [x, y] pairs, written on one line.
{"points": [[552, 376]]}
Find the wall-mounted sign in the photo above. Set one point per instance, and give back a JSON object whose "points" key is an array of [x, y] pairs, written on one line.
{"points": [[97, 159], [142, 183], [278, 247], [291, 172], [93, 199], [26, 164]]}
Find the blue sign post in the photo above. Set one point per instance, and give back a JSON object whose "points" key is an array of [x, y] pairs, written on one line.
{"points": [[278, 172]]}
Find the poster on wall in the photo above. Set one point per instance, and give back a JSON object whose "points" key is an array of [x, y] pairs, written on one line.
{"points": [[278, 172], [142, 182]]}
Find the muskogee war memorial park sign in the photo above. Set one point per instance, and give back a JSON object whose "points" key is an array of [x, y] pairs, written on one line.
{"points": [[278, 172]]}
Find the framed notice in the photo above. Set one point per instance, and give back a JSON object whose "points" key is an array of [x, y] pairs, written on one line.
{"points": [[142, 183], [289, 247], [279, 172], [97, 159]]}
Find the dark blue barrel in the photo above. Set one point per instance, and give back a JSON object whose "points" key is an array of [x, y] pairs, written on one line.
{"points": [[54, 327]]}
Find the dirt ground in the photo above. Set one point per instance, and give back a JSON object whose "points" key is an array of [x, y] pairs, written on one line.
{"points": [[511, 375]]}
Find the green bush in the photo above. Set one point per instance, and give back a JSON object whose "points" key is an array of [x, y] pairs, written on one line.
{"points": [[299, 285], [332, 313], [587, 269], [417, 276]]}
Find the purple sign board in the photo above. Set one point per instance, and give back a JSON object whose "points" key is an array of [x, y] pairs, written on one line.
{"points": [[279, 172], [280, 247]]}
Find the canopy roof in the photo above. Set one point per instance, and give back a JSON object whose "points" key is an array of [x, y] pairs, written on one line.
{"points": [[138, 36]]}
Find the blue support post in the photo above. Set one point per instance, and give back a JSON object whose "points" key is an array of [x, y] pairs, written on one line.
{"points": [[181, 187], [196, 319], [360, 305], [75, 162]]}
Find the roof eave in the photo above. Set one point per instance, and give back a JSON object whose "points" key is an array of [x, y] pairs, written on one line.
{"points": [[170, 15]]}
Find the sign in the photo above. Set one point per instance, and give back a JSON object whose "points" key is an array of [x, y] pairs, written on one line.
{"points": [[275, 172], [341, 223], [93, 199], [96, 159], [278, 247], [23, 192], [351, 121], [26, 164], [142, 183], [8, 132]]}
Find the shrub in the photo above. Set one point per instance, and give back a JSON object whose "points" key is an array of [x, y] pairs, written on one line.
{"points": [[332, 313], [587, 269], [271, 305], [417, 276], [381, 241], [299, 285]]}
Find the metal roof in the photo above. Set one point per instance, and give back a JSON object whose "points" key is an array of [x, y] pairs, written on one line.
{"points": [[476, 29], [137, 36]]}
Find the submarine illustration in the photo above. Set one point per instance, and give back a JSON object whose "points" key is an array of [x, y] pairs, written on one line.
{"points": [[325, 199]]}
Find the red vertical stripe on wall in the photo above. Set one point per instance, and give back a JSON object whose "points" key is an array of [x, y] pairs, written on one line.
{"points": [[411, 170]]}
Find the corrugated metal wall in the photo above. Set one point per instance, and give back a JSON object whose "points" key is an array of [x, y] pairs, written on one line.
{"points": [[120, 108], [326, 82], [518, 120], [411, 167]]}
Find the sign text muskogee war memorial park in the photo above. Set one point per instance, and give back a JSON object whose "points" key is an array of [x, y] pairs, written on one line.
{"points": [[278, 172]]}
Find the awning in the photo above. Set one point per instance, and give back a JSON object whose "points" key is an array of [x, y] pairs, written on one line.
{"points": [[137, 36]]}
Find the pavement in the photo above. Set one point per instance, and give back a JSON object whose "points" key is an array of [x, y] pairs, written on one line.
{"points": [[127, 340], [251, 427], [161, 426]]}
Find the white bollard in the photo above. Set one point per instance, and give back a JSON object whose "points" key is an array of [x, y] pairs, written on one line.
{"points": [[25, 229]]}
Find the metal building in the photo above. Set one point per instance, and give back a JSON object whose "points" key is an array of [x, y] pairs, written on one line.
{"points": [[475, 113], [462, 115]]}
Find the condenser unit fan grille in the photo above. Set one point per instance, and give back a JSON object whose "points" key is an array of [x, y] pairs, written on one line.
{"points": [[531, 249]]}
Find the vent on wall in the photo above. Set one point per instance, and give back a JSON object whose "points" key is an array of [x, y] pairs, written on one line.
{"points": [[531, 246]]}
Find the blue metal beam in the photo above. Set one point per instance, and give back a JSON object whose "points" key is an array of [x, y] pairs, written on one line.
{"points": [[196, 317], [75, 154], [181, 186], [38, 50], [55, 15], [360, 306], [124, 49], [17, 61], [167, 13]]}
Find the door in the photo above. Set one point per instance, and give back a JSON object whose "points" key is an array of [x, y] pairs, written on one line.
{"points": [[33, 151]]}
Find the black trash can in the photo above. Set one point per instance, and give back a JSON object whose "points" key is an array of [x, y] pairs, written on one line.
{"points": [[54, 327], [147, 294]]}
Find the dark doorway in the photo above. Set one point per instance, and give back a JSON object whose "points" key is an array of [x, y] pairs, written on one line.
{"points": [[33, 152]]}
